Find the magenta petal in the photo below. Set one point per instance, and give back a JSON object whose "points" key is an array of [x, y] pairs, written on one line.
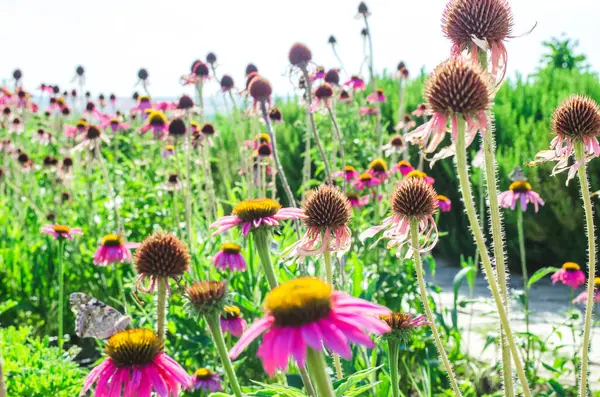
{"points": [[334, 339], [251, 333]]}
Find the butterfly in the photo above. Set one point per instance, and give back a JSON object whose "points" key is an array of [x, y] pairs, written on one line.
{"points": [[517, 175], [96, 319]]}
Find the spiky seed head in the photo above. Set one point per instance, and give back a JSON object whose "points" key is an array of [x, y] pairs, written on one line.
{"points": [[200, 69], [17, 74], [226, 82], [275, 114], [326, 206], [323, 91], [414, 197], [260, 88], [264, 150], [363, 9], [185, 102], [177, 128], [577, 117], [211, 58], [332, 40], [458, 86], [143, 74], [490, 20], [332, 77], [300, 55], [251, 68], [207, 296], [208, 129], [162, 255], [80, 70]]}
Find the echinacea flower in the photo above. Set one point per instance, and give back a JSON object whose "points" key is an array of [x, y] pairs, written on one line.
{"points": [[365, 180], [114, 124], [16, 126], [254, 214], [520, 190], [421, 110], [72, 131], [420, 175], [168, 151], [356, 201], [379, 169], [157, 122], [160, 256], [356, 83], [226, 83], [136, 366], [113, 249], [61, 231], [368, 110], [377, 96], [332, 77], [327, 213], [260, 89], [582, 298], [323, 95], [232, 321], [206, 380], [575, 122], [300, 55], [570, 274], [306, 313], [143, 103], [318, 74], [206, 296], [402, 71], [91, 139], [275, 115], [404, 167], [444, 203], [344, 97], [407, 123], [200, 72], [177, 128], [455, 89], [396, 146], [173, 183], [412, 198], [349, 173], [403, 325], [230, 258]]}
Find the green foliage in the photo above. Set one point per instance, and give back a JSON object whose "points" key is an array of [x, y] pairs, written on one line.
{"points": [[34, 368]]}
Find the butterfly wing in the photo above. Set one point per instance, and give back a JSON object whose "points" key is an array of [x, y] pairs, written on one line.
{"points": [[96, 319]]}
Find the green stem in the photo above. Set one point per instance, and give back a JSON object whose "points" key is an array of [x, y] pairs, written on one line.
{"points": [[394, 351], [329, 277], [522, 252], [119, 276], [338, 135], [589, 306], [378, 131], [467, 196], [161, 307], [261, 242], [61, 290], [318, 372], [212, 319], [111, 190], [414, 237], [188, 190], [498, 245]]}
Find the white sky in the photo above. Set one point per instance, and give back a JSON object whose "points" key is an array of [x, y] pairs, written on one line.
{"points": [[114, 38]]}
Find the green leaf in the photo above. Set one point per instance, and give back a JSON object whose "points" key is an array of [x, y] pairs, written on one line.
{"points": [[537, 276], [550, 368], [343, 385], [360, 390], [558, 389]]}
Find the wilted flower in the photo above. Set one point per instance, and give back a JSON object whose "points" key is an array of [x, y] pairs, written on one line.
{"points": [[570, 274], [406, 123], [91, 138], [226, 83], [113, 249], [16, 126], [396, 145], [368, 110], [173, 183], [323, 95], [421, 111]]}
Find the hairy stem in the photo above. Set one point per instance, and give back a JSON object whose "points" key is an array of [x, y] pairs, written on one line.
{"points": [[318, 371], [393, 353], [522, 252], [188, 190], [161, 307], [61, 290], [329, 277]]}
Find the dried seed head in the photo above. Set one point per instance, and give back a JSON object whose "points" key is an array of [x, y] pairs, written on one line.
{"points": [[264, 150], [199, 68], [80, 70], [363, 9], [260, 88], [17, 74], [300, 55], [211, 58], [208, 129], [143, 74], [326, 206], [332, 40], [226, 82], [177, 128], [275, 114], [251, 68], [162, 255], [458, 86], [414, 197], [185, 102], [577, 117], [323, 91], [332, 77], [489, 20], [207, 296]]}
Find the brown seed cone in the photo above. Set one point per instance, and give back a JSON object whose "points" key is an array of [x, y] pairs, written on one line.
{"points": [[414, 197], [260, 88], [207, 296], [162, 255], [489, 20], [458, 86], [326, 206], [325, 90], [300, 55], [577, 116]]}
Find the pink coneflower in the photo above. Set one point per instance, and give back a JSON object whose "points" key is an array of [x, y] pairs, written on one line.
{"points": [[173, 183], [71, 131], [136, 366], [143, 103], [396, 145], [377, 96], [306, 313], [368, 110], [455, 90], [402, 71], [24, 161], [227, 83], [42, 137], [404, 167], [520, 190], [327, 213], [575, 121], [365, 180], [570, 274], [90, 112], [66, 168], [344, 97], [420, 175], [16, 126], [157, 122], [478, 159], [168, 151], [230, 258], [356, 83], [421, 110], [582, 298], [412, 198], [349, 173], [379, 169], [357, 201], [232, 321], [323, 96], [61, 231], [200, 72], [444, 203], [113, 250], [92, 136], [6, 146], [256, 213], [403, 325], [114, 125], [318, 74], [164, 106], [206, 380], [407, 123]]}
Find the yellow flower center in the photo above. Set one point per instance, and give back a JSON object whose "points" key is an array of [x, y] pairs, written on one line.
{"points": [[61, 228], [112, 240], [571, 266], [441, 197], [170, 147], [380, 91], [404, 163], [203, 374], [195, 125], [114, 121], [133, 347], [520, 186], [81, 124], [249, 210], [157, 117], [416, 174], [144, 98], [378, 165], [366, 177], [264, 138], [300, 301], [397, 320], [349, 168], [60, 101], [597, 281], [352, 196], [231, 248], [231, 312]]}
